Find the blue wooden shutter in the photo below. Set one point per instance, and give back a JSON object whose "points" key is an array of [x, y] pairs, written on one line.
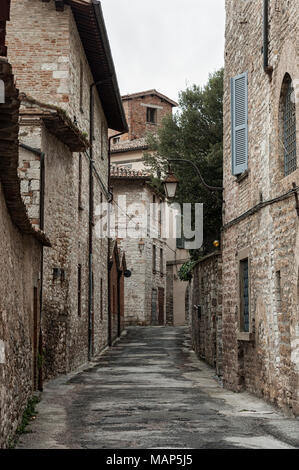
{"points": [[239, 116]]}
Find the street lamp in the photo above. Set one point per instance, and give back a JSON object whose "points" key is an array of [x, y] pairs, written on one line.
{"points": [[171, 182], [170, 185]]}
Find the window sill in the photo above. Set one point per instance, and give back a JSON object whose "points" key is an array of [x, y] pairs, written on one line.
{"points": [[246, 337], [242, 177]]}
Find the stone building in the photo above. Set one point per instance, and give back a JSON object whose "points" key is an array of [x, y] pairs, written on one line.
{"points": [[139, 234], [261, 180], [20, 263], [69, 97], [145, 112]]}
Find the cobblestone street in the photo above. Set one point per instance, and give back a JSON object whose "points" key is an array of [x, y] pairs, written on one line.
{"points": [[150, 391]]}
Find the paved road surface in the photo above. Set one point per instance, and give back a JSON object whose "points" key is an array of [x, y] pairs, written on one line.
{"points": [[151, 391]]}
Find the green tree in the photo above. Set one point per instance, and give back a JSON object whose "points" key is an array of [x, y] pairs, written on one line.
{"points": [[195, 133]]}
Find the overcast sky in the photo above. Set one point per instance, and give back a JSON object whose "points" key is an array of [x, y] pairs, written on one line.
{"points": [[164, 44]]}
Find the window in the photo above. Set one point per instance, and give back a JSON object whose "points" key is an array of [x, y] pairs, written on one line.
{"points": [[103, 146], [81, 87], [278, 291], [116, 140], [180, 241], [239, 123], [101, 307], [288, 108], [244, 296], [160, 219], [151, 115], [79, 289], [154, 259], [161, 261], [80, 182]]}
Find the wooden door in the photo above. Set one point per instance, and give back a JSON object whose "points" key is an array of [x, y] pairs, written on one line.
{"points": [[161, 306], [35, 337], [154, 307]]}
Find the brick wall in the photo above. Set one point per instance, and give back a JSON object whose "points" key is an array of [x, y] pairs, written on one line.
{"points": [[136, 110], [267, 363]]}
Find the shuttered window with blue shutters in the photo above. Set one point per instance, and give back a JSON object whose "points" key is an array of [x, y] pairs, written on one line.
{"points": [[244, 294], [239, 123]]}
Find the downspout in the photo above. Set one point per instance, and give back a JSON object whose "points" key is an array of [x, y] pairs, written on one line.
{"points": [[41, 225], [108, 257], [268, 69]]}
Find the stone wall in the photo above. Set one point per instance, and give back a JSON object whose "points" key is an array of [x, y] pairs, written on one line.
{"points": [[266, 360], [20, 279], [206, 319]]}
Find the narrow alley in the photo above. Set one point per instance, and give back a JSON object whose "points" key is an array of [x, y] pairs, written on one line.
{"points": [[150, 391]]}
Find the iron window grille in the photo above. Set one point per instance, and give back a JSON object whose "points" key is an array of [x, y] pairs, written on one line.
{"points": [[289, 132], [244, 294]]}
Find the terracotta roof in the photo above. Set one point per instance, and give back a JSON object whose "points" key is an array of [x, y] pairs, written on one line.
{"points": [[129, 145], [149, 93], [92, 30], [117, 172], [9, 157]]}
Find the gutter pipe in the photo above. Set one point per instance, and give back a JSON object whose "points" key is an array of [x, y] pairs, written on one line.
{"points": [[268, 69]]}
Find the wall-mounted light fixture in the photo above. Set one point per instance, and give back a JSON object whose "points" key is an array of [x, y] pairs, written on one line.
{"points": [[141, 246]]}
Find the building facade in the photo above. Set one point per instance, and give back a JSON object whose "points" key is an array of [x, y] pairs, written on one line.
{"points": [[261, 179], [136, 205], [21, 246], [145, 112], [69, 98]]}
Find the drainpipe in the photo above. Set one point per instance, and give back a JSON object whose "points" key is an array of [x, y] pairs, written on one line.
{"points": [[268, 69], [41, 226]]}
